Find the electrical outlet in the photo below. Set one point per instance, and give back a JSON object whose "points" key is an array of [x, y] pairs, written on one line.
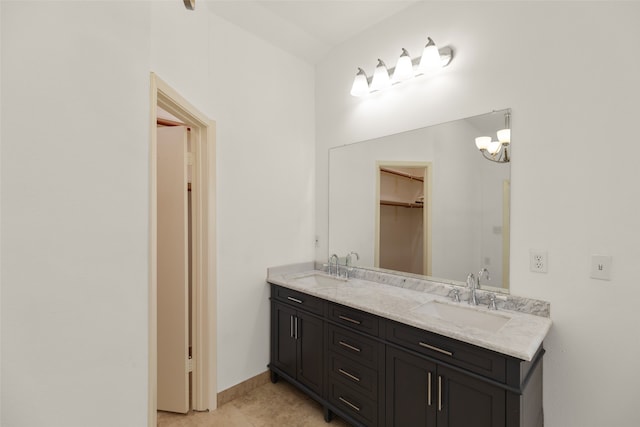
{"points": [[538, 261]]}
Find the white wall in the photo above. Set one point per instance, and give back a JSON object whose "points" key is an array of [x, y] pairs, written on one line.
{"points": [[0, 215], [262, 100], [569, 72], [264, 104], [75, 196], [75, 90]]}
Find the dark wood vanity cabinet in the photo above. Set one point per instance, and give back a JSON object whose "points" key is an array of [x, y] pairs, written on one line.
{"points": [[356, 365], [297, 349], [372, 371], [423, 393], [411, 393], [434, 380]]}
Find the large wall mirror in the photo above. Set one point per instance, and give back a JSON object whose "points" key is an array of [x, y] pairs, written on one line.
{"points": [[424, 202]]}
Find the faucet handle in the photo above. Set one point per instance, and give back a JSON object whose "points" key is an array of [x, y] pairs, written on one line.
{"points": [[492, 302], [456, 295]]}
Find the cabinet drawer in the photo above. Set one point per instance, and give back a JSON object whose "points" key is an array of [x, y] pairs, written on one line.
{"points": [[355, 346], [359, 377], [354, 404], [467, 356], [298, 299], [356, 319]]}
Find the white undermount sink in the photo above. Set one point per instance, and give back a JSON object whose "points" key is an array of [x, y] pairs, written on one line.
{"points": [[463, 316], [319, 280]]}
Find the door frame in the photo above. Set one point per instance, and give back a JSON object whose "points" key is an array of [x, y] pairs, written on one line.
{"points": [[426, 210], [506, 231], [204, 376]]}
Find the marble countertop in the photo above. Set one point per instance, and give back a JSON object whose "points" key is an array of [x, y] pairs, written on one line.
{"points": [[519, 337]]}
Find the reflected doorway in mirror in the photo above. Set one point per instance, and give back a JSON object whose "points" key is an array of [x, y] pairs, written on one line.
{"points": [[403, 226]]}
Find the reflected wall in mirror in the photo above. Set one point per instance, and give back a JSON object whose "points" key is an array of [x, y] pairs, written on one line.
{"points": [[424, 202]]}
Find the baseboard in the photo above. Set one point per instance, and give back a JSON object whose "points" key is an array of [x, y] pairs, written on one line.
{"points": [[242, 388]]}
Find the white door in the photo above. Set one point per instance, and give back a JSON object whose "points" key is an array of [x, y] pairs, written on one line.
{"points": [[173, 264]]}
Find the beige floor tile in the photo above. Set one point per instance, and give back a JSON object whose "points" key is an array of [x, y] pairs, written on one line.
{"points": [[270, 405], [227, 416]]}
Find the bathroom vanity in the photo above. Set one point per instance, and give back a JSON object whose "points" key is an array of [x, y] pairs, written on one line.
{"points": [[380, 354]]}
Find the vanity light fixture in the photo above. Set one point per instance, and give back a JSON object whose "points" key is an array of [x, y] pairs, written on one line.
{"points": [[360, 84], [381, 78], [497, 151], [404, 68], [432, 60]]}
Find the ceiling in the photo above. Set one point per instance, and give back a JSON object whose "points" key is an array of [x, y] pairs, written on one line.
{"points": [[308, 29]]}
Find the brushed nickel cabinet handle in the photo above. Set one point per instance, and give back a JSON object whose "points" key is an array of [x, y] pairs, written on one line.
{"points": [[294, 300], [349, 346], [439, 393], [346, 402], [429, 388], [296, 334], [291, 326], [348, 319], [347, 374], [439, 350]]}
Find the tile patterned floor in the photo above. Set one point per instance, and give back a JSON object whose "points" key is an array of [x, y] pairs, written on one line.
{"points": [[270, 405]]}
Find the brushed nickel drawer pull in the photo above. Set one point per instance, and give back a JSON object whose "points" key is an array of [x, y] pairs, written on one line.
{"points": [[439, 350], [347, 374], [348, 319], [349, 346], [439, 393], [294, 300], [345, 401], [429, 388], [291, 326]]}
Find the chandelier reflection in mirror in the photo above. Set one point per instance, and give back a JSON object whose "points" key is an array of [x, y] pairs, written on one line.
{"points": [[497, 151], [431, 61]]}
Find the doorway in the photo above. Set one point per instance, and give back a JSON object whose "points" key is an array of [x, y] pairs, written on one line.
{"points": [[403, 223], [201, 135]]}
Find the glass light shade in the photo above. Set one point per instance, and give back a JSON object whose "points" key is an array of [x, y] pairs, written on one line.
{"points": [[494, 147], [430, 60], [360, 84], [380, 77], [504, 136], [482, 142], [404, 67]]}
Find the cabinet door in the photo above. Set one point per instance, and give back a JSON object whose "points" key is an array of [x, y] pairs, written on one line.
{"points": [[466, 401], [310, 335], [411, 390], [284, 343]]}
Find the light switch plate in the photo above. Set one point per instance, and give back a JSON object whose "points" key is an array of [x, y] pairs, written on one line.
{"points": [[601, 267]]}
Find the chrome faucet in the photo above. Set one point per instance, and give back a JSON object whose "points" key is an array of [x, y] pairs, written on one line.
{"points": [[473, 283], [330, 262], [347, 263]]}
